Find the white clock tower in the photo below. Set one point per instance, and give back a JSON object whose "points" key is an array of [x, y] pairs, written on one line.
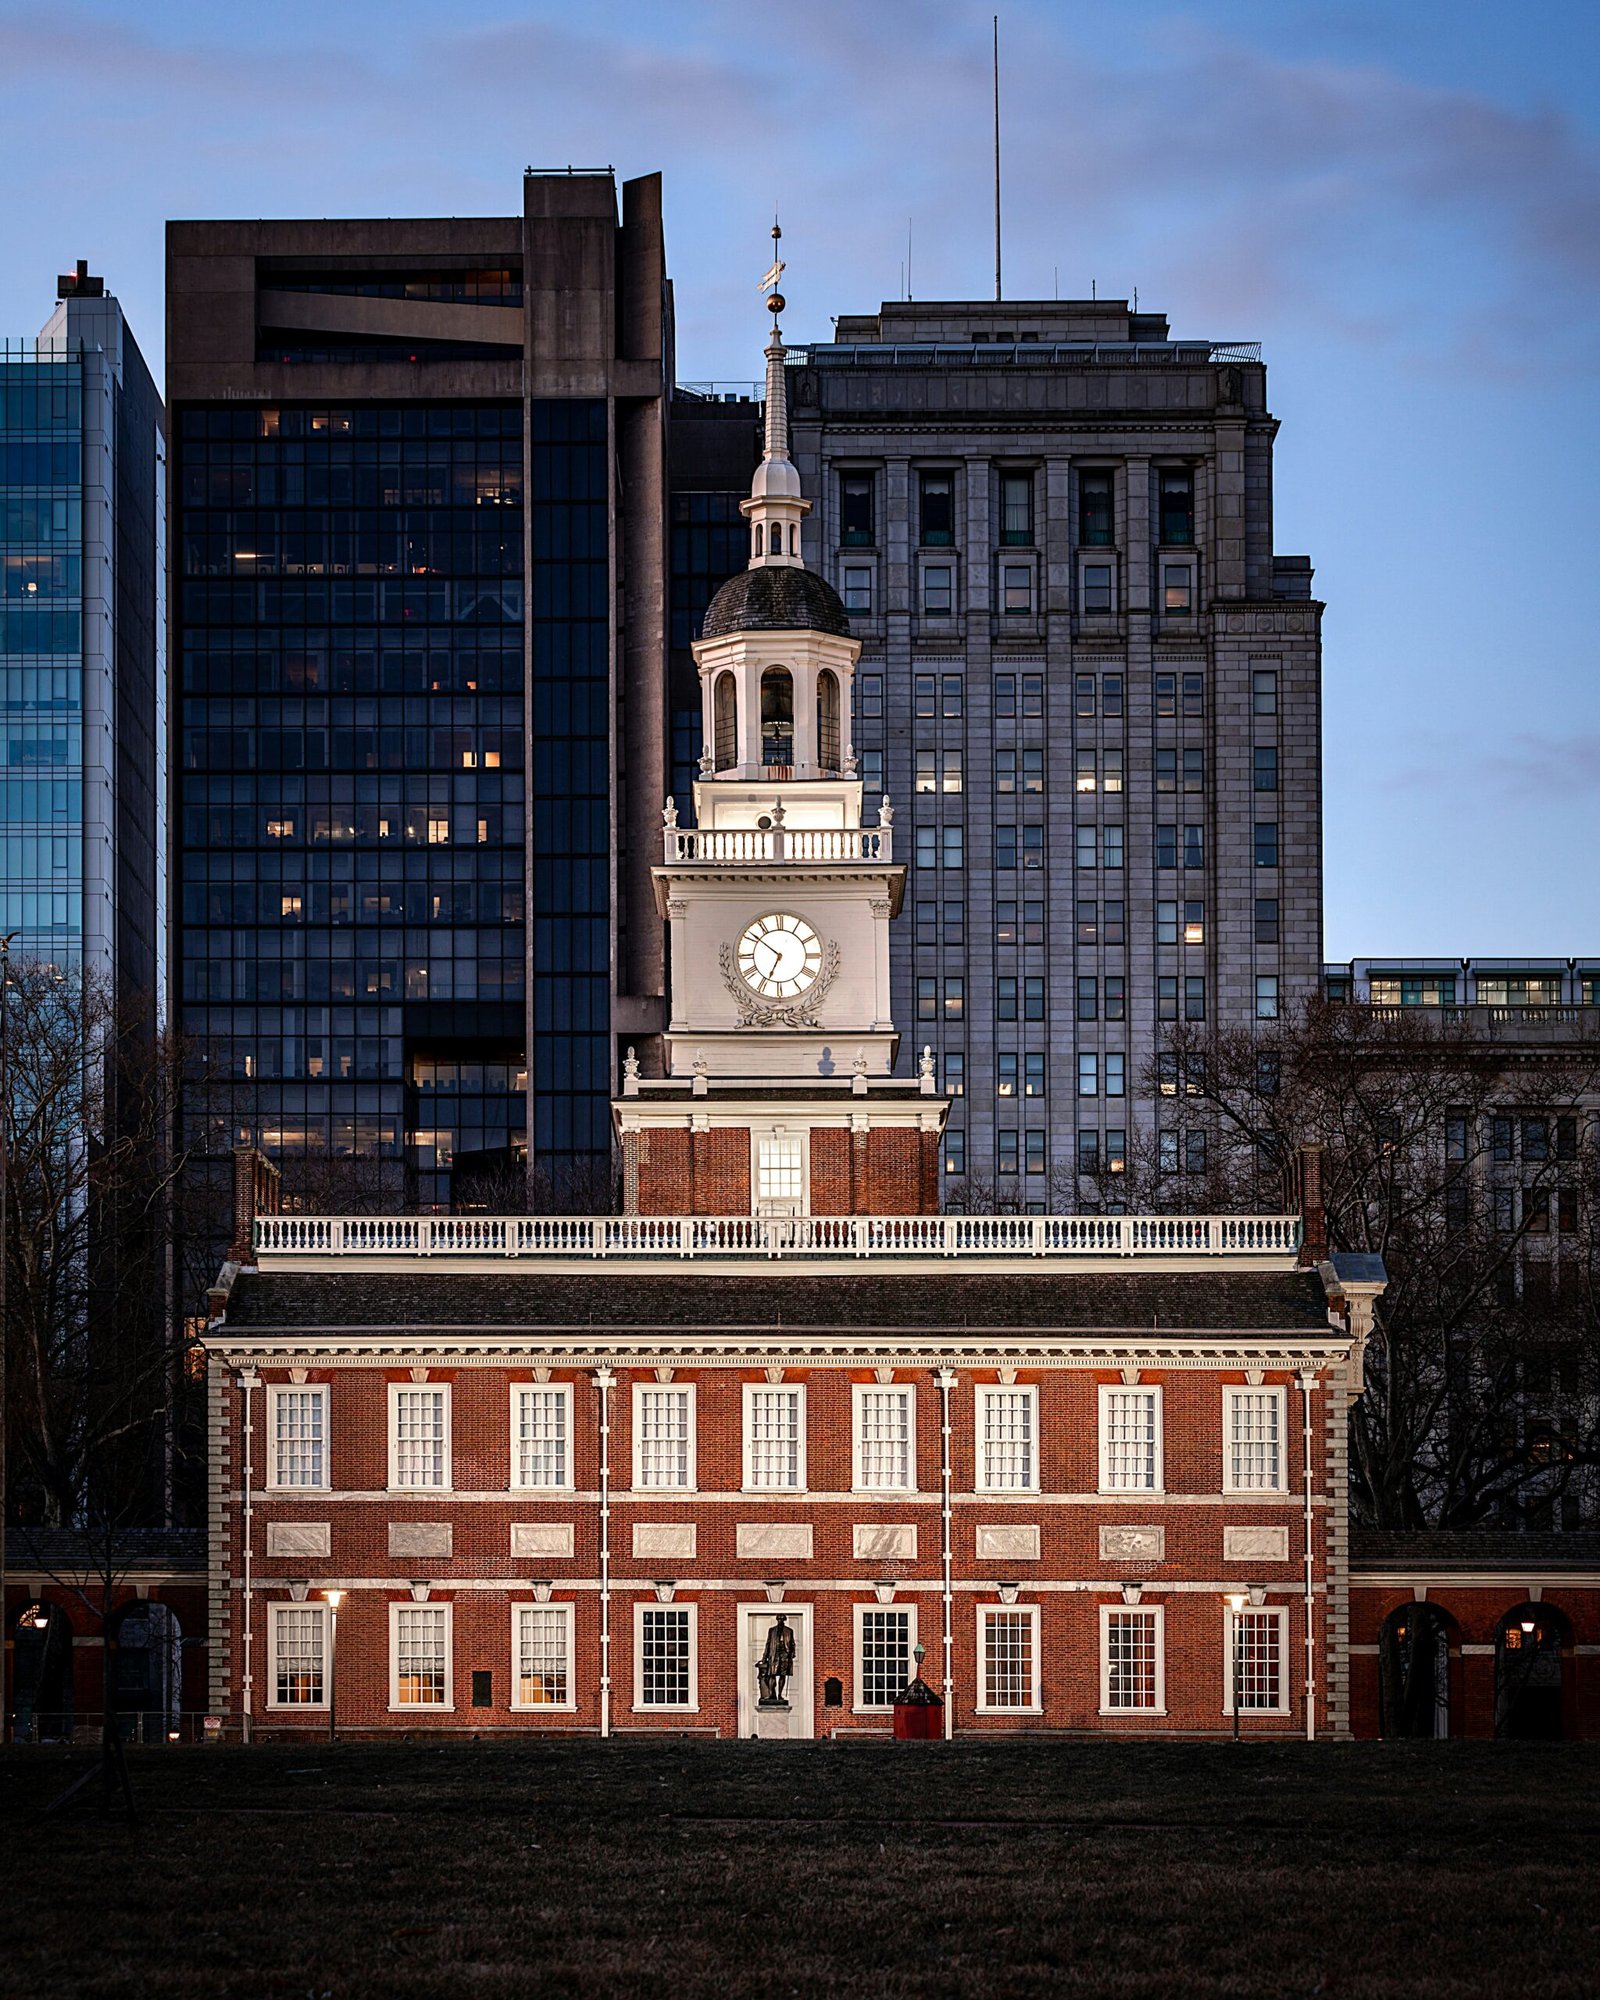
{"points": [[779, 901]]}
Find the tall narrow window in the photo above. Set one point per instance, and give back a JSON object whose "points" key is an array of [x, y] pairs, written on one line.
{"points": [[1253, 1661], [938, 599], [828, 720], [938, 510], [541, 1425], [419, 1655], [1132, 1670], [725, 747], [1016, 509], [855, 510], [1177, 507], [1095, 590], [1254, 1419], [774, 1438], [299, 1436], [1016, 589], [543, 1647], [664, 1657], [1130, 1440], [299, 1639], [419, 1437], [884, 1639], [1007, 1418], [1094, 510], [777, 718], [885, 1451], [780, 1168], [663, 1437], [1008, 1656]]}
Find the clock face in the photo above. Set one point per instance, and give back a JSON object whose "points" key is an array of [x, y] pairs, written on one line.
{"points": [[779, 956]]}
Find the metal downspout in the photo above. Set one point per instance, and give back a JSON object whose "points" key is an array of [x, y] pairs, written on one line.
{"points": [[947, 1382]]}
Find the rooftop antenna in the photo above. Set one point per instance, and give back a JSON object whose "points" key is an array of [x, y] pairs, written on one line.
{"points": [[908, 260], [997, 293]]}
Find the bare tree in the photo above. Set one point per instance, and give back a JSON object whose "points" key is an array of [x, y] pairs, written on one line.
{"points": [[90, 1091], [1468, 1166]]}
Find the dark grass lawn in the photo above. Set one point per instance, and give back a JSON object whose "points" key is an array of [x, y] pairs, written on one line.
{"points": [[659, 1867]]}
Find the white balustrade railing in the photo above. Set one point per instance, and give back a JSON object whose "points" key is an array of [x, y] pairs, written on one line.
{"points": [[708, 1237], [779, 843]]}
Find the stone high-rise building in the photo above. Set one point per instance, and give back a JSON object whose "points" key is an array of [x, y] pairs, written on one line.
{"points": [[1087, 683]]}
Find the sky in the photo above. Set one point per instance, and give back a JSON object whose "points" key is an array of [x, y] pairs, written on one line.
{"points": [[1399, 198]]}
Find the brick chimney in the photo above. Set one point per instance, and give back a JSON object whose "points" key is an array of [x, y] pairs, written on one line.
{"points": [[1313, 1216], [256, 1191]]}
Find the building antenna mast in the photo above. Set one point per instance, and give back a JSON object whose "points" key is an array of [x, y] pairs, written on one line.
{"points": [[997, 293], [908, 260]]}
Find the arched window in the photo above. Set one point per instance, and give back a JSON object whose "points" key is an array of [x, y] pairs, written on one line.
{"points": [[794, 539], [827, 721], [725, 723], [776, 538], [777, 717], [755, 539]]}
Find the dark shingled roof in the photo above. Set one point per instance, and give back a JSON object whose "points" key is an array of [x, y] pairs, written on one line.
{"points": [[775, 599], [69, 1552], [795, 1302], [1470, 1548]]}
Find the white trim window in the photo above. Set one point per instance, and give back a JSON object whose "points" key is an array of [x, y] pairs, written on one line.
{"points": [[1130, 1439], [1008, 1659], [419, 1436], [666, 1664], [780, 1172], [1133, 1659], [774, 1437], [1261, 1634], [1008, 1439], [297, 1420], [541, 1435], [419, 1656], [885, 1437], [297, 1647], [541, 1656], [663, 1437], [885, 1635], [1252, 1445]]}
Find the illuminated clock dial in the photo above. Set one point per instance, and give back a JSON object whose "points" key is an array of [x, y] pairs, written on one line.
{"points": [[779, 956]]}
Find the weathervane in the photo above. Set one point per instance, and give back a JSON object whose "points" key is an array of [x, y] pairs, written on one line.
{"points": [[770, 277]]}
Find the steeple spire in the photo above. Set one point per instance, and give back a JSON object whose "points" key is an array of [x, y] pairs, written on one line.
{"points": [[775, 507]]}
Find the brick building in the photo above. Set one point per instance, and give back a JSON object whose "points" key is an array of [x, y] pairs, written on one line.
{"points": [[726, 1461]]}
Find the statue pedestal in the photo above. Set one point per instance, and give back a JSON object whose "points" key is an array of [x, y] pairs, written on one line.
{"points": [[772, 1721]]}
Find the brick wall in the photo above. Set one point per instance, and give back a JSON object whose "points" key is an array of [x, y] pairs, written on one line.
{"points": [[693, 1173]]}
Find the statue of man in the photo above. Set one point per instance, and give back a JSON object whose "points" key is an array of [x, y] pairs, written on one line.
{"points": [[775, 1668]]}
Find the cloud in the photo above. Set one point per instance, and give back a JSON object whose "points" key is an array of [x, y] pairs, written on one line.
{"points": [[1527, 767]]}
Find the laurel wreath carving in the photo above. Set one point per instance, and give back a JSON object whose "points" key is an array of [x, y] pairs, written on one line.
{"points": [[801, 1012]]}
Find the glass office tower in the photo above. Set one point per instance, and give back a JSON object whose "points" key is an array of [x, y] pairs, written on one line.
{"points": [[421, 697], [82, 656]]}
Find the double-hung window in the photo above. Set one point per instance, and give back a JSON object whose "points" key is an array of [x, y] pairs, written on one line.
{"points": [[1008, 1659], [774, 1437], [419, 1436], [1016, 509], [1132, 1660], [665, 1662], [419, 1656], [1253, 1445], [298, 1638], [1016, 589], [298, 1418], [885, 1636], [1008, 1452], [663, 1437], [885, 1438], [541, 1656], [1130, 1440], [541, 1434], [1253, 1660]]}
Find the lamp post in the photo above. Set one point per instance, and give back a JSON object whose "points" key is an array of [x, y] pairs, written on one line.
{"points": [[1237, 1600], [335, 1598]]}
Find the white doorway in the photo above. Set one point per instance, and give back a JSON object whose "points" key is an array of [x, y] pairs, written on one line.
{"points": [[755, 1623]]}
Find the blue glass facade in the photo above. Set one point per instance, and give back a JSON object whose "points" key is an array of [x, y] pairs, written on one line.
{"points": [[350, 626], [41, 656]]}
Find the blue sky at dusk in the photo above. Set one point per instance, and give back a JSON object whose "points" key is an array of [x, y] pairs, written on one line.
{"points": [[1401, 201]]}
